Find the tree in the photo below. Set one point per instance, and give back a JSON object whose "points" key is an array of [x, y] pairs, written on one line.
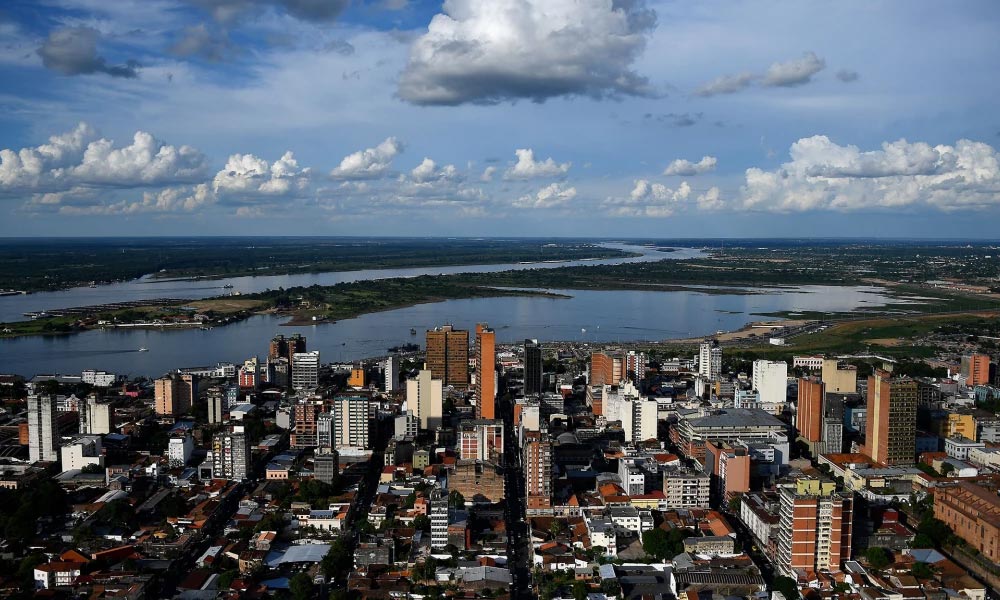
{"points": [[878, 558], [456, 499], [226, 578], [787, 586], [338, 561], [947, 468], [922, 570], [579, 590], [656, 543], [558, 527], [301, 586], [422, 523]]}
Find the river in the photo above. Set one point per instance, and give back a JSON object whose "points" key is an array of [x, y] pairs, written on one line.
{"points": [[13, 308], [588, 316]]}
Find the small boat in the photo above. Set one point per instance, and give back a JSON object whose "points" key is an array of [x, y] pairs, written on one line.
{"points": [[413, 331], [228, 286], [143, 349]]}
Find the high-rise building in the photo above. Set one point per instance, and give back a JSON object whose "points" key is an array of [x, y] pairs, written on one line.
{"points": [[809, 409], [390, 373], [230, 455], [637, 415], [216, 400], [305, 370], [538, 470], [448, 355], [95, 416], [425, 397], [486, 390], [324, 430], [282, 347], [279, 372], [606, 368], [710, 360], [532, 367], [891, 419], [42, 426], [481, 440], [439, 519], [635, 365], [351, 415], [770, 379], [815, 529], [839, 378], [325, 467], [976, 369], [304, 428], [249, 374], [174, 394], [179, 449]]}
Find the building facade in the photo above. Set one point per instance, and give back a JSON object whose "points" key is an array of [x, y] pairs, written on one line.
{"points": [[815, 530], [42, 434], [447, 355], [891, 419], [486, 376], [532, 367]]}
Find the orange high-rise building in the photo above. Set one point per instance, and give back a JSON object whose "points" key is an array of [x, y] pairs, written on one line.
{"points": [[809, 411], [537, 470], [357, 378], [606, 368], [486, 340], [976, 369], [174, 394], [447, 356], [815, 530]]}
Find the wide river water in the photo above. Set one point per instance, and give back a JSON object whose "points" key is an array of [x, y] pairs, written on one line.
{"points": [[588, 316]]}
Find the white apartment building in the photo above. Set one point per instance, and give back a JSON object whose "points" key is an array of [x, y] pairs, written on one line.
{"points": [[770, 379], [305, 370], [425, 397], [42, 445]]}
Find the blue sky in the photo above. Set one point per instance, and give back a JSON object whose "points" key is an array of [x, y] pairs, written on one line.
{"points": [[503, 117]]}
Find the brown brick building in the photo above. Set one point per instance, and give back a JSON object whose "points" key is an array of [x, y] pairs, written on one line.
{"points": [[477, 481], [891, 426], [973, 513]]}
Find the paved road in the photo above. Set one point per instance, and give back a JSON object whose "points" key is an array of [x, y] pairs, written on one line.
{"points": [[518, 538]]}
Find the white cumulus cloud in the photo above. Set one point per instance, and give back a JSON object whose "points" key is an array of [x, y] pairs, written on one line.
{"points": [[551, 196], [726, 84], [687, 168], [648, 199], [248, 174], [81, 158], [370, 163], [490, 52], [428, 171], [527, 167], [823, 175]]}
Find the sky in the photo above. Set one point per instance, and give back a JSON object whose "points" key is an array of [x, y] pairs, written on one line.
{"points": [[610, 118]]}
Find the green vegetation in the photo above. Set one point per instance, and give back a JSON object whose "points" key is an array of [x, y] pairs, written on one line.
{"points": [[662, 545], [48, 264], [878, 558], [787, 586], [25, 508]]}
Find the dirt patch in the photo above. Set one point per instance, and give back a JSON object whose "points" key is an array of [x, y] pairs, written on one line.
{"points": [[885, 342]]}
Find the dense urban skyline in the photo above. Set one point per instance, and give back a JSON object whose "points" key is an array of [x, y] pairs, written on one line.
{"points": [[395, 117]]}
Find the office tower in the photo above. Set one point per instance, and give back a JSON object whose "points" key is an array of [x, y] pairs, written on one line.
{"points": [[249, 374], [42, 429], [305, 370], [839, 378], [425, 397], [637, 415], [976, 369], [486, 366], [357, 378], [351, 422], [607, 368], [95, 416], [230, 455], [891, 419], [815, 527], [731, 465], [532, 367], [390, 373], [174, 393], [304, 424], [481, 440], [710, 360], [770, 379], [216, 400], [538, 470], [448, 355]]}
